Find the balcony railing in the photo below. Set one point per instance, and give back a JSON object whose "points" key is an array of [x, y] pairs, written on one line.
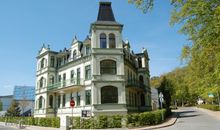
{"points": [[135, 83], [66, 83]]}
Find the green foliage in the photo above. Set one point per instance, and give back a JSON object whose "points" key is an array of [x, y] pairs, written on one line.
{"points": [[144, 5], [1, 106], [115, 121], [103, 121], [146, 118], [45, 122], [201, 23], [166, 88], [13, 110], [210, 107]]}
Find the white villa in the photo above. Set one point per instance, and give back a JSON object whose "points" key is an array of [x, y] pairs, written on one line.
{"points": [[102, 74]]}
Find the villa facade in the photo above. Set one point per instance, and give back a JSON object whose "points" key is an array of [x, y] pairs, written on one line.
{"points": [[101, 73]]}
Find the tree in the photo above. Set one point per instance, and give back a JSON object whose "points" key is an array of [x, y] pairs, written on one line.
{"points": [[13, 110], [166, 88], [1, 105], [201, 23], [144, 5]]}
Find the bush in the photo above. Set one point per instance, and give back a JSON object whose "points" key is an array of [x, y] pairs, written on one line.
{"points": [[210, 107], [99, 122], [45, 122], [145, 118]]}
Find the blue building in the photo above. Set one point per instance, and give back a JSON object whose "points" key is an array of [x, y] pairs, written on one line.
{"points": [[25, 96], [24, 93], [6, 101]]}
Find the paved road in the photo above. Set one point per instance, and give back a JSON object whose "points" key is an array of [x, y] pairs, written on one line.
{"points": [[194, 119], [7, 128]]}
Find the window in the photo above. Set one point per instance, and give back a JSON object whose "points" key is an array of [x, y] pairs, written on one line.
{"points": [[40, 102], [59, 79], [64, 79], [78, 76], [103, 42], [139, 62], [52, 61], [64, 100], [59, 61], [109, 94], [87, 72], [141, 79], [108, 67], [51, 101], [88, 97], [74, 54], [142, 100], [72, 76], [111, 40], [77, 99], [41, 82], [88, 50], [51, 79], [42, 63]]}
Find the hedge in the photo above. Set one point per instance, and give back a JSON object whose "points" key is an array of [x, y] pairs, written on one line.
{"points": [[45, 122], [117, 121], [210, 107]]}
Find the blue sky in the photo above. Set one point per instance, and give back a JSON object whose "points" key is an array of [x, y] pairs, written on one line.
{"points": [[25, 25]]}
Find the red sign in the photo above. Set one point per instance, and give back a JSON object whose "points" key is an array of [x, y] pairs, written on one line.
{"points": [[72, 103]]}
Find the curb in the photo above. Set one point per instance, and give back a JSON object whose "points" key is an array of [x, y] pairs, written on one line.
{"points": [[169, 122]]}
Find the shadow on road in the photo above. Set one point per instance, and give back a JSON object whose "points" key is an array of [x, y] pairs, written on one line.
{"points": [[185, 116], [186, 112]]}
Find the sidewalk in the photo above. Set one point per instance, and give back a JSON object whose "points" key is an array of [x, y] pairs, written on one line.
{"points": [[215, 114]]}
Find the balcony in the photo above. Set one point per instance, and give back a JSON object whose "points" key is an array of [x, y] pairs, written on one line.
{"points": [[75, 83], [135, 84]]}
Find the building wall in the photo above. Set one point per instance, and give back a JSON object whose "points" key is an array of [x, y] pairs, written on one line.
{"points": [[6, 101]]}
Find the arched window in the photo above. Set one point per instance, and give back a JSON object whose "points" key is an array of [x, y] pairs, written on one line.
{"points": [[51, 101], [74, 54], [103, 42], [111, 40], [141, 79], [109, 94], [108, 67], [42, 63], [41, 82], [40, 102]]}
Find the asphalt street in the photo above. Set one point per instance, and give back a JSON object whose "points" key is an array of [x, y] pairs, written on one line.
{"points": [[193, 119], [6, 128]]}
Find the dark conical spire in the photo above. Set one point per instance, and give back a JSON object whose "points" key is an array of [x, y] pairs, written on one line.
{"points": [[105, 12]]}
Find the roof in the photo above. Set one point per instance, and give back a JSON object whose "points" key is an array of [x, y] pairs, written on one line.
{"points": [[105, 12], [106, 15], [7, 96]]}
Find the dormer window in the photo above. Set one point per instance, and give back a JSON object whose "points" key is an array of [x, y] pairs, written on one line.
{"points": [[87, 50], [103, 42], [111, 40], [74, 54]]}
